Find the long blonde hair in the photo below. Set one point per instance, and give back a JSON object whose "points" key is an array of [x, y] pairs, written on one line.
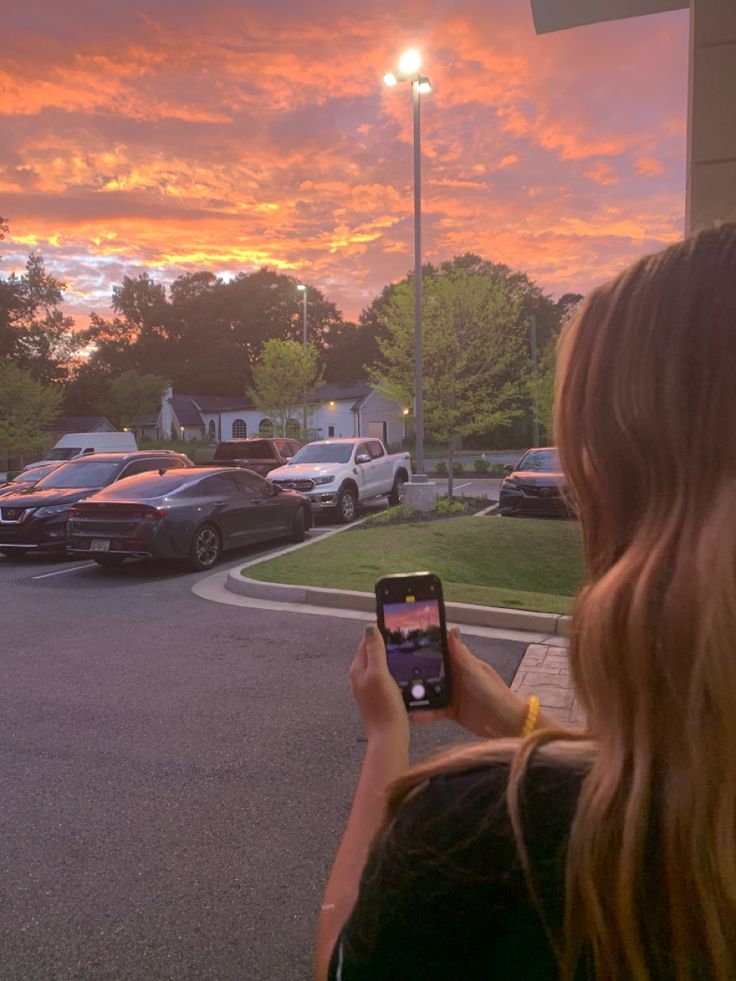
{"points": [[645, 423]]}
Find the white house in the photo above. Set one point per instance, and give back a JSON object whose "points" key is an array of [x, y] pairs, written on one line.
{"points": [[335, 409]]}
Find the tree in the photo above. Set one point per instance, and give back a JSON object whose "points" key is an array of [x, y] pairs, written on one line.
{"points": [[26, 409], [34, 333], [475, 359], [133, 397], [542, 382], [285, 371]]}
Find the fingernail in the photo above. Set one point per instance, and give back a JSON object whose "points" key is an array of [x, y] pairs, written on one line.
{"points": [[370, 631], [455, 632]]}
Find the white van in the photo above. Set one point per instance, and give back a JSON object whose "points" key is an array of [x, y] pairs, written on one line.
{"points": [[80, 444]]}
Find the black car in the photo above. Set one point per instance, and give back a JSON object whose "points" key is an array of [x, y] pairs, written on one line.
{"points": [[535, 486], [191, 515], [35, 520]]}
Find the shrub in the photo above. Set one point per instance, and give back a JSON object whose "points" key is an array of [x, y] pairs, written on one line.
{"points": [[458, 468], [447, 506], [481, 466], [442, 467]]}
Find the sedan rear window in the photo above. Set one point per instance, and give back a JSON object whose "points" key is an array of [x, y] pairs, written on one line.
{"points": [[150, 484], [85, 473]]}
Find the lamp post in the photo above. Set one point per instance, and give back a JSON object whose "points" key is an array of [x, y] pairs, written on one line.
{"points": [[409, 64], [303, 289]]}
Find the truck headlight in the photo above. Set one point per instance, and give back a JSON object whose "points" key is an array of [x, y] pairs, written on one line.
{"points": [[318, 481]]}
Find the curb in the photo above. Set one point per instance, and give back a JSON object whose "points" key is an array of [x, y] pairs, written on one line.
{"points": [[348, 599]]}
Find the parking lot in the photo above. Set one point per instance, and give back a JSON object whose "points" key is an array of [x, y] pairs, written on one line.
{"points": [[176, 773]]}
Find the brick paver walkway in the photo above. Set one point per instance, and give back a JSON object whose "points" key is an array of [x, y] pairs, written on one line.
{"points": [[544, 671]]}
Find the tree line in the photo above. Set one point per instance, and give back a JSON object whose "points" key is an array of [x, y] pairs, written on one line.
{"points": [[213, 336]]}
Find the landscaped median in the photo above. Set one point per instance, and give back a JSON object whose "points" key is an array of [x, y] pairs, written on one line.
{"points": [[510, 564]]}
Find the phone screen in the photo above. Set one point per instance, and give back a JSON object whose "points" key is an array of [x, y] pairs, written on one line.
{"points": [[412, 621]]}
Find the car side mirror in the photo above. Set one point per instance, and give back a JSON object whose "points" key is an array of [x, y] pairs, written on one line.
{"points": [[508, 468], [287, 459], [363, 458], [275, 489]]}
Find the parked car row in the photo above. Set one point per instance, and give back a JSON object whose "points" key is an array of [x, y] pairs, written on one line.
{"points": [[147, 504]]}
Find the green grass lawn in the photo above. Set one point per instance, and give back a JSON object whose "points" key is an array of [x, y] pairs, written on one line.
{"points": [[525, 564]]}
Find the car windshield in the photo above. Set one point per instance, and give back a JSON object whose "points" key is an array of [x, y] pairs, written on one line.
{"points": [[31, 476], [85, 473], [259, 449], [539, 460], [64, 452], [324, 453]]}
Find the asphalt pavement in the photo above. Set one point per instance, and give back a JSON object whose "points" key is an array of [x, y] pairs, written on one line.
{"points": [[175, 774]]}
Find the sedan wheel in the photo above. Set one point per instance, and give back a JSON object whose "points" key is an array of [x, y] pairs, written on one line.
{"points": [[205, 549]]}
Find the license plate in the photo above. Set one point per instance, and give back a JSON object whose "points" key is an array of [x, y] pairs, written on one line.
{"points": [[100, 545]]}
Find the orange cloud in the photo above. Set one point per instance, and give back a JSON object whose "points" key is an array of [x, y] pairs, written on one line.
{"points": [[262, 135]]}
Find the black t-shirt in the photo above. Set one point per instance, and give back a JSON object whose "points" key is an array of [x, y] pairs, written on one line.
{"points": [[443, 894]]}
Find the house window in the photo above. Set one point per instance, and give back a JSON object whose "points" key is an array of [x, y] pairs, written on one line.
{"points": [[240, 430], [330, 432], [265, 427], [211, 431], [292, 427]]}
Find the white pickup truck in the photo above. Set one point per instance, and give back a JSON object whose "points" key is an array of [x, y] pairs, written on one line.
{"points": [[343, 473]]}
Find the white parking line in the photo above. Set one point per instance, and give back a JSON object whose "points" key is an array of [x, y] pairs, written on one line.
{"points": [[61, 572], [459, 486]]}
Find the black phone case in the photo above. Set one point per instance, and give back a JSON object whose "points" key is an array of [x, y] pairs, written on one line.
{"points": [[423, 586]]}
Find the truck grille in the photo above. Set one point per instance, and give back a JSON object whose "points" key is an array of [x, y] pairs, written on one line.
{"points": [[303, 484]]}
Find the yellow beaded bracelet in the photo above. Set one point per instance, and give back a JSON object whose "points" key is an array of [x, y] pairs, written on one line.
{"points": [[532, 714]]}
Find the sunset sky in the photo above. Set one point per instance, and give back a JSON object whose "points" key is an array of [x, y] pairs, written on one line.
{"points": [[177, 136]]}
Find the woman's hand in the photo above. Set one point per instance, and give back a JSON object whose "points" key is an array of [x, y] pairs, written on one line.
{"points": [[376, 693], [481, 701]]}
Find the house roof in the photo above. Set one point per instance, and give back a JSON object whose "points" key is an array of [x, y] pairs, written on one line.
{"points": [[186, 410], [342, 391], [220, 403]]}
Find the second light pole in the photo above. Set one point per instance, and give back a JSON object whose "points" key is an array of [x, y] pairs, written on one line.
{"points": [[409, 64], [303, 290]]}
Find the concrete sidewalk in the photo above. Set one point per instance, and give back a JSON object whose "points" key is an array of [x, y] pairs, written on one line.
{"points": [[545, 672]]}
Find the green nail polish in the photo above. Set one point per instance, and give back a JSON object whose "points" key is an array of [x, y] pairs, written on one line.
{"points": [[370, 631]]}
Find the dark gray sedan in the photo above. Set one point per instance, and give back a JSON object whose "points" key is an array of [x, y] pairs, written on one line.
{"points": [[193, 515]]}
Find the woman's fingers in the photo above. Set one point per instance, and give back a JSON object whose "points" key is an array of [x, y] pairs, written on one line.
{"points": [[375, 650]]}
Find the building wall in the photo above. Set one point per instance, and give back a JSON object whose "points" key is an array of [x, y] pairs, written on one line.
{"points": [[379, 413]]}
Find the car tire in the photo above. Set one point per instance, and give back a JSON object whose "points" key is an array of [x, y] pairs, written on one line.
{"points": [[298, 528], [206, 548], [347, 506], [397, 491], [109, 561]]}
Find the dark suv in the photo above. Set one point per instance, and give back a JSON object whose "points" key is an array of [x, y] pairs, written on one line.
{"points": [[36, 520], [261, 455]]}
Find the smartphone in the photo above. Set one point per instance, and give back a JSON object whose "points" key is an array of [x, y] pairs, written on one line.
{"points": [[411, 618]]}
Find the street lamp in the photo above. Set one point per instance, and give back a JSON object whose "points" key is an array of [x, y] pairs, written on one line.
{"points": [[409, 64], [303, 289]]}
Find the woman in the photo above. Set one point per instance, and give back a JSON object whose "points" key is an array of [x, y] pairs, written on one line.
{"points": [[610, 853]]}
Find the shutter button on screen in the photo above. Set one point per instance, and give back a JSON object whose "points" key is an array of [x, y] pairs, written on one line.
{"points": [[417, 691]]}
